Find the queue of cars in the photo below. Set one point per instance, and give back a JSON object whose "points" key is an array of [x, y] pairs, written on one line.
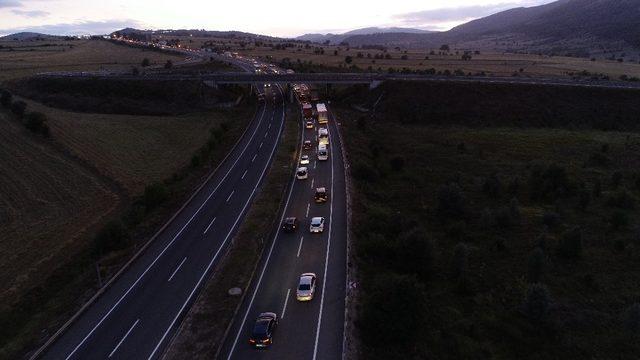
{"points": [[262, 334]]}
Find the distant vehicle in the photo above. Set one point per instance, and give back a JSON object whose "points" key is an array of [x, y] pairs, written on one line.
{"points": [[267, 85], [302, 173], [307, 110], [309, 125], [323, 115], [323, 153], [316, 225], [260, 96], [306, 145], [304, 160], [289, 71], [262, 333], [323, 136], [290, 224], [321, 195], [306, 287]]}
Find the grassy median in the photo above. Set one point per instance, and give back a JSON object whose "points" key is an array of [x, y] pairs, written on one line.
{"points": [[204, 328]]}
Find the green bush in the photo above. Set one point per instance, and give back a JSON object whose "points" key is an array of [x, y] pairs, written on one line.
{"points": [[6, 98], [113, 236], [536, 266], [37, 123], [571, 244], [537, 302], [154, 195], [362, 171], [550, 182], [196, 161], [619, 220], [397, 163], [451, 203], [492, 186], [19, 107], [393, 311], [414, 254]]}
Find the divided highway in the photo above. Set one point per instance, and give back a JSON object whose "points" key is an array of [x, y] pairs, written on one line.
{"points": [[306, 330], [137, 315]]}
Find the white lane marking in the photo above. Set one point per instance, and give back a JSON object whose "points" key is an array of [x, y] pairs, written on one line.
{"points": [[312, 180], [170, 243], [326, 264], [208, 227], [230, 195], [286, 299], [244, 174], [125, 336], [308, 206], [269, 127], [265, 134], [177, 268], [215, 256], [264, 269], [314, 164], [300, 246], [260, 147], [254, 158]]}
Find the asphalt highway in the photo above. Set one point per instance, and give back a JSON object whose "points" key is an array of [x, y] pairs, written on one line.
{"points": [[306, 330], [138, 313]]}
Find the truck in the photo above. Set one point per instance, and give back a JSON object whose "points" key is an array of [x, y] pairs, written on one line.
{"points": [[323, 116], [307, 110], [323, 136]]}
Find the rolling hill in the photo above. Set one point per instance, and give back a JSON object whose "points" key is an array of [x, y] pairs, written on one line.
{"points": [[338, 38]]}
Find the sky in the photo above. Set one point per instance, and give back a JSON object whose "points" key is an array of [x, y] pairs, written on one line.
{"points": [[270, 17]]}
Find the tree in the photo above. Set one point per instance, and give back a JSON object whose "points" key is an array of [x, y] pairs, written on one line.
{"points": [[445, 47], [348, 59], [414, 254], [145, 62], [5, 98], [113, 236], [536, 266], [537, 302], [570, 245], [452, 203], [154, 195], [18, 108], [459, 261], [36, 122], [404, 57], [168, 64]]}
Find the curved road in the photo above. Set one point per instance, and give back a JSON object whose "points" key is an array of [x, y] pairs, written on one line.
{"points": [[311, 330], [136, 316]]}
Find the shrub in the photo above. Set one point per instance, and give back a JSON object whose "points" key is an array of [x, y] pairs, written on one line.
{"points": [[622, 199], [5, 98], [570, 245], [616, 179], [364, 172], [36, 122], [375, 248], [393, 311], [459, 261], [154, 195], [632, 318], [414, 254], [113, 236], [452, 203], [584, 199], [145, 62], [492, 186], [397, 163], [19, 107], [196, 161], [168, 64], [597, 189], [537, 302], [551, 182], [536, 266], [619, 220]]}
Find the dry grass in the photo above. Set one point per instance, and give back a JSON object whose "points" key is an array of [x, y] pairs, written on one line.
{"points": [[133, 150], [47, 202], [498, 64], [28, 58]]}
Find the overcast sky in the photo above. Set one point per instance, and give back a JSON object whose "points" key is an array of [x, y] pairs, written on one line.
{"points": [[270, 17]]}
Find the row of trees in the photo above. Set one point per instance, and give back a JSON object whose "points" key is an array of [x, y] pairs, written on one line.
{"points": [[34, 121]]}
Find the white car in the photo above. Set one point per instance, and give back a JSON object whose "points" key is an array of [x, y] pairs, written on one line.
{"points": [[304, 160], [317, 225], [302, 173], [306, 287], [309, 125]]}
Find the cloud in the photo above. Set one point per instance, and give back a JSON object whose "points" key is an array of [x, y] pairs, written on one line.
{"points": [[9, 3], [30, 13], [459, 14], [78, 28]]}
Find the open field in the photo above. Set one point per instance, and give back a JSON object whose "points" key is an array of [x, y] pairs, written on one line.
{"points": [[135, 150], [480, 240], [48, 203], [21, 59]]}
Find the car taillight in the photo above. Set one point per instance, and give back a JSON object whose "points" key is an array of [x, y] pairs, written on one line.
{"points": [[251, 341], [266, 341]]}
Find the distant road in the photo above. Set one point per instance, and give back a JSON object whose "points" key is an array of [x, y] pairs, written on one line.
{"points": [[346, 78], [137, 315]]}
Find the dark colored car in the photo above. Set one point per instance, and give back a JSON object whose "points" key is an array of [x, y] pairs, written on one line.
{"points": [[290, 224], [265, 326], [321, 195], [307, 145]]}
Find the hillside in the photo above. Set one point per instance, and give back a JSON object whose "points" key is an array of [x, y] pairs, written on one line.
{"points": [[578, 27], [29, 36], [338, 38]]}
